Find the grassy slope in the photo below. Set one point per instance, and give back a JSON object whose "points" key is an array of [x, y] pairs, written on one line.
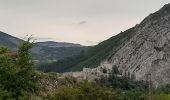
{"points": [[104, 50]]}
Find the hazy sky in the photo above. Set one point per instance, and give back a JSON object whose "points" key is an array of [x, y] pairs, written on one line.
{"points": [[78, 21]]}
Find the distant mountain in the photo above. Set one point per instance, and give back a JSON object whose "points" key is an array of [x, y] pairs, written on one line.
{"points": [[44, 51], [57, 44], [92, 57], [50, 54], [9, 41]]}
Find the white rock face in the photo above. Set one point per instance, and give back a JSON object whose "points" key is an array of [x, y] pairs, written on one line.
{"points": [[91, 73], [147, 52]]}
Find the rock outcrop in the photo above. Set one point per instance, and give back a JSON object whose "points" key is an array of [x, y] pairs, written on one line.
{"points": [[91, 73]]}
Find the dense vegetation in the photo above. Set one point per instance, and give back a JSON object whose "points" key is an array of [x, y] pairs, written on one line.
{"points": [[85, 91], [62, 65], [111, 88], [51, 54], [20, 81], [93, 56]]}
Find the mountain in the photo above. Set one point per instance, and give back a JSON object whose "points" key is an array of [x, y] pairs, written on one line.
{"points": [[9, 41], [139, 52], [146, 51], [44, 51], [50, 54], [92, 57], [57, 44]]}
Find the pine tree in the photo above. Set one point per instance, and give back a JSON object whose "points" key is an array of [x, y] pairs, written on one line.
{"points": [[17, 75]]}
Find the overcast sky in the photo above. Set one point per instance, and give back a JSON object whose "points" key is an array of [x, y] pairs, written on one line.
{"points": [[78, 21]]}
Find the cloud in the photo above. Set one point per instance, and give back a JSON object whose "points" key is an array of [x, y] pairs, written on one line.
{"points": [[73, 20], [91, 42], [79, 23], [82, 22], [44, 39]]}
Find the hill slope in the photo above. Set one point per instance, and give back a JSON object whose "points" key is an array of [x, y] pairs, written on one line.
{"points": [[93, 56], [9, 41], [44, 51]]}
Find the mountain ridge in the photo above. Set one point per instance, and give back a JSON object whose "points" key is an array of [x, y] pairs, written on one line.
{"points": [[49, 50], [57, 44]]}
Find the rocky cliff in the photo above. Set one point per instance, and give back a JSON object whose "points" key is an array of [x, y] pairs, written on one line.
{"points": [[146, 52]]}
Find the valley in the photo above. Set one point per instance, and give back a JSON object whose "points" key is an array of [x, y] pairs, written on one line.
{"points": [[132, 65]]}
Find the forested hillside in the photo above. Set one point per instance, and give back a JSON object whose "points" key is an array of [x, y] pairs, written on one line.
{"points": [[92, 57]]}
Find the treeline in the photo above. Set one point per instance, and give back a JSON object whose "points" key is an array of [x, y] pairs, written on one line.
{"points": [[60, 66]]}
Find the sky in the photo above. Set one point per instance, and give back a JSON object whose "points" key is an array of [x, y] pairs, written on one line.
{"points": [[86, 22]]}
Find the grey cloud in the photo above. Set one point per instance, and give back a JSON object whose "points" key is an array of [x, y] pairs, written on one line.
{"points": [[82, 22], [44, 39], [91, 42], [54, 16]]}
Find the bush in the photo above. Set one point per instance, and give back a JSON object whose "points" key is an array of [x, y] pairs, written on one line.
{"points": [[85, 91]]}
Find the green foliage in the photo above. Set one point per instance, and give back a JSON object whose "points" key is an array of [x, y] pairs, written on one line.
{"points": [[3, 50], [164, 89], [104, 50], [134, 95], [60, 66], [162, 93], [162, 97], [58, 53], [17, 75], [4, 94], [84, 91]]}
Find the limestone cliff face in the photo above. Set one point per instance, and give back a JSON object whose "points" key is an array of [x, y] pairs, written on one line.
{"points": [[148, 51]]}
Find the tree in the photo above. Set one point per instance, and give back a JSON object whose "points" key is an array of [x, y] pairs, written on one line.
{"points": [[17, 75]]}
